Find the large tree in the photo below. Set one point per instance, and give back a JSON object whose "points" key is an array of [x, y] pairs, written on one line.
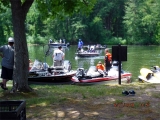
{"points": [[49, 8]]}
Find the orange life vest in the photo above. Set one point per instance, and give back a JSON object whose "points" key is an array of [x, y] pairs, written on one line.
{"points": [[108, 57], [100, 66]]}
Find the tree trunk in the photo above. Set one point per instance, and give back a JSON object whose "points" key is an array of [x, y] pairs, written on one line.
{"points": [[21, 59]]}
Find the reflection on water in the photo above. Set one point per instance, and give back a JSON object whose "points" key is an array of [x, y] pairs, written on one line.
{"points": [[85, 62]]}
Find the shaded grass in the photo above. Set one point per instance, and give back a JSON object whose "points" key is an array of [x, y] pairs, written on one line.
{"points": [[44, 95], [47, 96]]}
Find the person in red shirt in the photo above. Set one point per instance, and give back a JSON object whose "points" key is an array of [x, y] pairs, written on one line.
{"points": [[101, 68]]}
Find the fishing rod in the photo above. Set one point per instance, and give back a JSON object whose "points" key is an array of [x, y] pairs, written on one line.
{"points": [[47, 53]]}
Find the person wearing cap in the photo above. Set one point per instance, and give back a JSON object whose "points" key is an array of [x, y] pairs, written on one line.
{"points": [[50, 41], [101, 68], [7, 54], [80, 45], [58, 57]]}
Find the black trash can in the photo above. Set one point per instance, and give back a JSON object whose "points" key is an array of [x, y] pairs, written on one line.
{"points": [[13, 110]]}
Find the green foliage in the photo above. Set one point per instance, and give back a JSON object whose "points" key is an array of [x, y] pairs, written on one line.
{"points": [[55, 8], [92, 28], [116, 41], [111, 22], [54, 23], [5, 24], [141, 21], [37, 39], [3, 5]]}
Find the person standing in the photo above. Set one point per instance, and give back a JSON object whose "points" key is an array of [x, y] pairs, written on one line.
{"points": [[79, 45], [58, 57], [50, 41], [60, 41], [108, 60], [7, 54], [81, 42]]}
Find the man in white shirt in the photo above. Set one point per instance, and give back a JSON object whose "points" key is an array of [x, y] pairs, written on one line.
{"points": [[58, 57]]}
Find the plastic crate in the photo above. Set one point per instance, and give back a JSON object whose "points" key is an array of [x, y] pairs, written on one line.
{"points": [[12, 110]]}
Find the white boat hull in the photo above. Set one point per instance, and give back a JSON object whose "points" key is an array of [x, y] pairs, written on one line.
{"points": [[149, 76]]}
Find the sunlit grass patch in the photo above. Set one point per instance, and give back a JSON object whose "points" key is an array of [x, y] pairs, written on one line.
{"points": [[118, 101]]}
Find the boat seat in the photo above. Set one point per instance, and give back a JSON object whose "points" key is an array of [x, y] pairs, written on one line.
{"points": [[58, 69]]}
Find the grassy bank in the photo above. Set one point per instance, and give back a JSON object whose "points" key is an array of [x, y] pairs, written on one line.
{"points": [[48, 99]]}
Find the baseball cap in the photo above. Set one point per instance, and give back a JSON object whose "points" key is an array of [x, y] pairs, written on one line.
{"points": [[100, 62], [10, 39], [60, 46]]}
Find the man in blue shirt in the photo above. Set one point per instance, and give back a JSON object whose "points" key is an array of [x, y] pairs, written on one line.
{"points": [[80, 44]]}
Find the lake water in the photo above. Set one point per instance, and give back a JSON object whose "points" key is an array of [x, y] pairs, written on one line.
{"points": [[137, 57]]}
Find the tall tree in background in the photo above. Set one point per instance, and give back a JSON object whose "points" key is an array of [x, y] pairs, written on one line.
{"points": [[142, 21], [49, 8], [106, 21]]}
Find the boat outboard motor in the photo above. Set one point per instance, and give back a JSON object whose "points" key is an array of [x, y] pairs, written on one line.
{"points": [[156, 69], [80, 73], [68, 44], [115, 65]]}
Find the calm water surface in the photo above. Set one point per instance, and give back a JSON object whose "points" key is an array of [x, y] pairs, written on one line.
{"points": [[138, 57]]}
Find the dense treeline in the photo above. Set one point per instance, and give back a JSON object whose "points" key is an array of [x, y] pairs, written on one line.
{"points": [[110, 22]]}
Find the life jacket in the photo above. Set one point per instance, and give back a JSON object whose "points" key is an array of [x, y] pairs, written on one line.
{"points": [[108, 57], [100, 66]]}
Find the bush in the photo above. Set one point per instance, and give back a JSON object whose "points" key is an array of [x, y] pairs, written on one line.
{"points": [[115, 41], [37, 40]]}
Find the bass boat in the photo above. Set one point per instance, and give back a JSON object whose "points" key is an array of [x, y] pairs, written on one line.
{"points": [[64, 45], [96, 47], [57, 44], [41, 72], [93, 76], [88, 53]]}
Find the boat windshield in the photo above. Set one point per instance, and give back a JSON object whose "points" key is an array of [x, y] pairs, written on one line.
{"points": [[37, 65]]}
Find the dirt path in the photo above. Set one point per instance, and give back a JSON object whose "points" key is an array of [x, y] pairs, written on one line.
{"points": [[144, 105]]}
